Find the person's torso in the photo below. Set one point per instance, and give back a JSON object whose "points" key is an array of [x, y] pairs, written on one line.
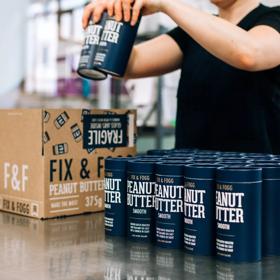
{"points": [[222, 107]]}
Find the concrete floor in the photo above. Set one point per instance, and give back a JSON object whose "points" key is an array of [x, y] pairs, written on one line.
{"points": [[75, 248]]}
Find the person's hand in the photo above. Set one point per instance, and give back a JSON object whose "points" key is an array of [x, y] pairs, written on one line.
{"points": [[127, 10], [95, 9]]}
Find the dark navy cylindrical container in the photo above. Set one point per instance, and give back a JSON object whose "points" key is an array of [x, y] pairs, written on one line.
{"points": [[236, 163], [180, 153], [232, 154], [86, 68], [140, 200], [206, 161], [259, 157], [151, 159], [238, 213], [232, 158], [263, 161], [199, 209], [147, 156], [115, 196], [178, 156], [156, 152], [276, 157], [206, 156], [115, 46], [185, 150], [271, 209], [169, 193], [173, 158], [207, 152], [259, 154]]}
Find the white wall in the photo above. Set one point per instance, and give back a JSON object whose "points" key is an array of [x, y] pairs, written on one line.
{"points": [[271, 2], [12, 34]]}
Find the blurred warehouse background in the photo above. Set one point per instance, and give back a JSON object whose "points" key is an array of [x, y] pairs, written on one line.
{"points": [[39, 53]]}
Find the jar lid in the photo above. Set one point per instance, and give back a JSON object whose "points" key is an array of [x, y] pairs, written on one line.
{"points": [[239, 174], [158, 152], [270, 171], [141, 166], [118, 163], [171, 168], [201, 171]]}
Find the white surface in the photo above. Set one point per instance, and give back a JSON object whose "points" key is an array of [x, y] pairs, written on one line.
{"points": [[12, 34], [271, 2], [104, 94], [143, 96], [46, 47]]}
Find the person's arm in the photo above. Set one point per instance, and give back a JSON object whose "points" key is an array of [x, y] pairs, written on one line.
{"points": [[254, 50], [155, 57]]}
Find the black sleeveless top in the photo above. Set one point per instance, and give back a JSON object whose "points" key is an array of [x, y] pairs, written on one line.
{"points": [[223, 108]]}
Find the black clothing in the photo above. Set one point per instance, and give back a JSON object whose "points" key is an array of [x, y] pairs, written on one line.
{"points": [[223, 108]]}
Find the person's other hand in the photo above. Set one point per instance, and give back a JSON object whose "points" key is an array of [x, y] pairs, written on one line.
{"points": [[127, 10], [95, 9]]}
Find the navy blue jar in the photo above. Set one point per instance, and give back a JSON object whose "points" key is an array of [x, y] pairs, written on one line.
{"points": [[205, 160], [140, 200], [147, 157], [232, 154], [233, 158], [157, 152], [238, 214], [184, 151], [115, 196], [235, 163], [206, 156], [276, 158], [115, 46], [199, 209], [86, 68], [173, 158], [259, 157], [206, 152], [264, 161], [271, 209], [169, 193]]}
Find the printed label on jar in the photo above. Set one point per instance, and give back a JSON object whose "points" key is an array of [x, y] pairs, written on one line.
{"points": [[238, 216], [199, 216], [140, 206], [115, 202], [169, 211]]}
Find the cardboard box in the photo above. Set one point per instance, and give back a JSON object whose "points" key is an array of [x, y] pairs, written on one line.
{"points": [[52, 161]]}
